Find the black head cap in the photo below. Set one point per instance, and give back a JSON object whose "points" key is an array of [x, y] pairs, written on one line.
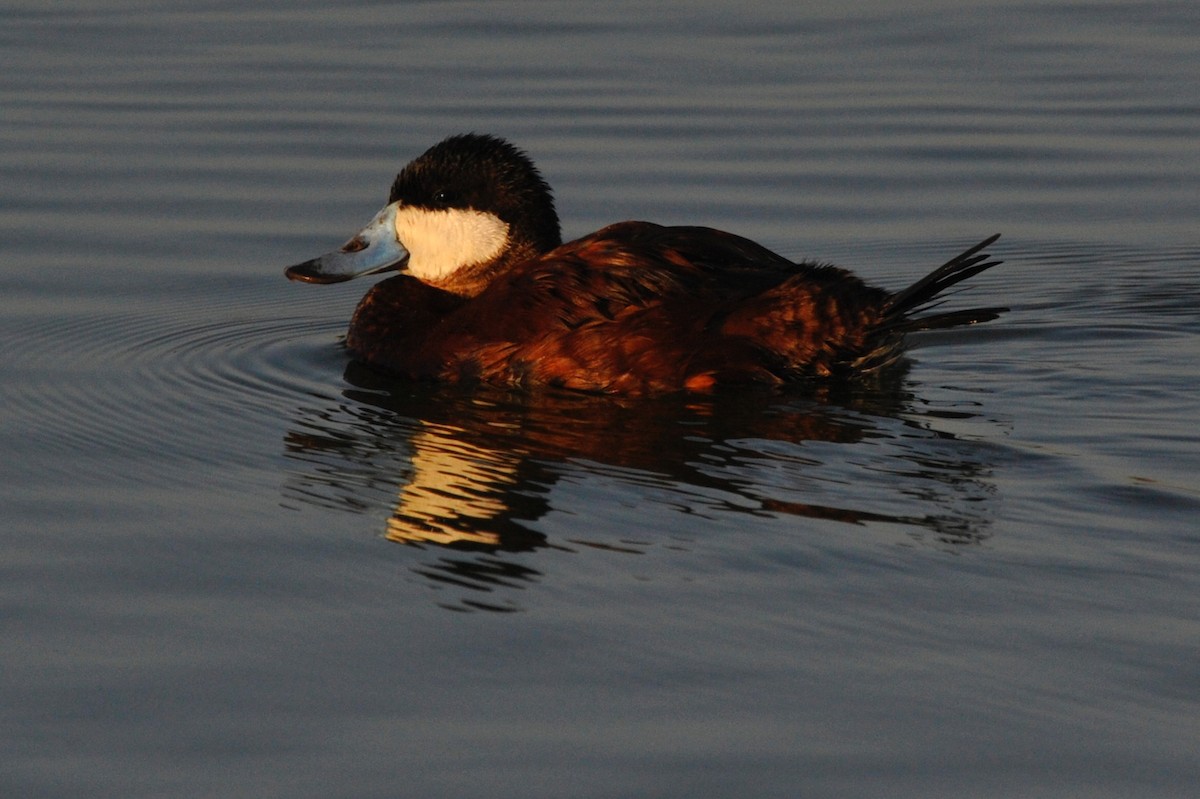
{"points": [[483, 173]]}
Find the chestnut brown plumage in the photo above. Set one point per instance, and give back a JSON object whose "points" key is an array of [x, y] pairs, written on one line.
{"points": [[635, 308]]}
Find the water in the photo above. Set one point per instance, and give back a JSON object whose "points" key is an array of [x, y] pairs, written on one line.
{"points": [[233, 567]]}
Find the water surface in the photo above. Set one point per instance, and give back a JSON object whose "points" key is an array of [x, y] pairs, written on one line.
{"points": [[234, 565]]}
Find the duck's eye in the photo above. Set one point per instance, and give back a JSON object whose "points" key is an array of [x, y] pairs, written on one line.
{"points": [[442, 198]]}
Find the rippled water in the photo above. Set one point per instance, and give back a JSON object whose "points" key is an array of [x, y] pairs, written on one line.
{"points": [[234, 565]]}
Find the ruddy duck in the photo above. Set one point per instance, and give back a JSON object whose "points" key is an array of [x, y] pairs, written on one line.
{"points": [[490, 293]]}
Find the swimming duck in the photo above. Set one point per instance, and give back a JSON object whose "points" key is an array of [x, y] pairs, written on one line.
{"points": [[489, 292]]}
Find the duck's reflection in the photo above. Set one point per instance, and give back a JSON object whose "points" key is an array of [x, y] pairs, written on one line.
{"points": [[472, 470], [451, 496]]}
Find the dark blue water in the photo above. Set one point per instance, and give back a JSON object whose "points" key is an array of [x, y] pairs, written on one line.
{"points": [[231, 566]]}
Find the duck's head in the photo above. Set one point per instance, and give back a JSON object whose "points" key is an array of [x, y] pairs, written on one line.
{"points": [[457, 216]]}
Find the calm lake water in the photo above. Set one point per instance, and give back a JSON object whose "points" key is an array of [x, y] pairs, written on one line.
{"points": [[232, 566]]}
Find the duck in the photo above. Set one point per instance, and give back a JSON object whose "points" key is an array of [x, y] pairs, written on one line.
{"points": [[487, 292]]}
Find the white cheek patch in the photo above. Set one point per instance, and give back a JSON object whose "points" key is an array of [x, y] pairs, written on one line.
{"points": [[440, 242]]}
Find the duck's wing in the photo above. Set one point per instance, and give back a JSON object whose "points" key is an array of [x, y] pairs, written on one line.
{"points": [[629, 267]]}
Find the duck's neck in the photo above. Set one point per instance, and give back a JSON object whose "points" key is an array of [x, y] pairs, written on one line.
{"points": [[469, 281]]}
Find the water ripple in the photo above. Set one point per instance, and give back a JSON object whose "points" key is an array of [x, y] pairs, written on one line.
{"points": [[153, 381]]}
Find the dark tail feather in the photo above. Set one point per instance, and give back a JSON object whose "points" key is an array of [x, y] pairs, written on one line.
{"points": [[900, 315]]}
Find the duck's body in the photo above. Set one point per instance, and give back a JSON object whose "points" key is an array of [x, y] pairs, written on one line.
{"points": [[635, 308]]}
